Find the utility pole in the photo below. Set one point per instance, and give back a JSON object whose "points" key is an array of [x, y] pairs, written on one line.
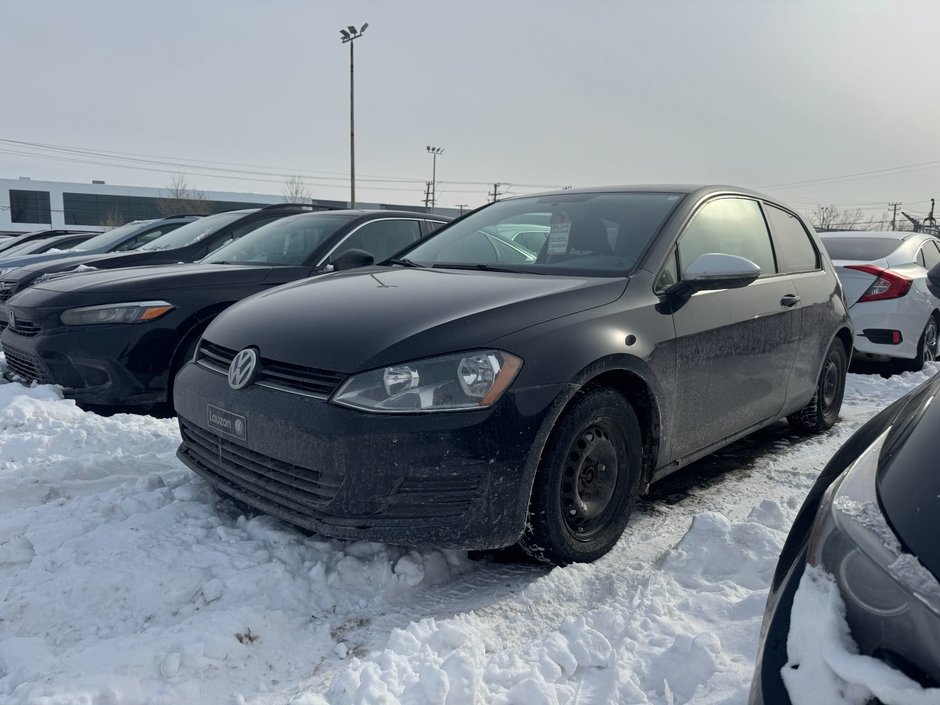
{"points": [[496, 192], [461, 206], [348, 35], [427, 195], [894, 215], [434, 152]]}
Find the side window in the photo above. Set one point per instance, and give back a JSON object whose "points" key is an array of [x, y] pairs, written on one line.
{"points": [[733, 226], [242, 230], [931, 254], [795, 250], [382, 238]]}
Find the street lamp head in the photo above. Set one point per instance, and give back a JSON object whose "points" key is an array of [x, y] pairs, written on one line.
{"points": [[363, 28], [352, 30], [345, 35], [434, 150]]}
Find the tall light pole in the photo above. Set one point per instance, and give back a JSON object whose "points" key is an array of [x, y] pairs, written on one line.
{"points": [[348, 35], [434, 151]]}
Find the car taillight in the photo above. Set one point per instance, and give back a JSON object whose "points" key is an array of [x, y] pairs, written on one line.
{"points": [[887, 285]]}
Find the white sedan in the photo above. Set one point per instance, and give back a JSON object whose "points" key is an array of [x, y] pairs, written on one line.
{"points": [[884, 277]]}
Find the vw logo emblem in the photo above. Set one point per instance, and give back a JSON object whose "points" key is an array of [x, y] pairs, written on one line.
{"points": [[241, 372]]}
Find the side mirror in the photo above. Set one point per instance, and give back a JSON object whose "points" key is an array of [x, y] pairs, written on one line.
{"points": [[715, 270], [351, 259]]}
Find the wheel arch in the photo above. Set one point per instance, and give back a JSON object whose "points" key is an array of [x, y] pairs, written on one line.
{"points": [[627, 375]]}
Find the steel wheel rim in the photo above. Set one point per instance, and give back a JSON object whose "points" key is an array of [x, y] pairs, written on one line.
{"points": [[590, 478], [830, 383]]}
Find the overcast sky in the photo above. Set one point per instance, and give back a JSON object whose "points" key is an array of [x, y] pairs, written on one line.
{"points": [[533, 93]]}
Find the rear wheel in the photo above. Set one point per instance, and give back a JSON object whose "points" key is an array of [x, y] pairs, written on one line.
{"points": [[588, 481], [823, 409], [926, 349]]}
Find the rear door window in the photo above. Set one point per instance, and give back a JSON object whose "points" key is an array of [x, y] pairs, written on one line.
{"points": [[795, 250], [931, 254]]}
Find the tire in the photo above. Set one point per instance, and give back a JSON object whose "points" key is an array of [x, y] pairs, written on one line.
{"points": [[926, 349], [587, 482], [823, 409]]}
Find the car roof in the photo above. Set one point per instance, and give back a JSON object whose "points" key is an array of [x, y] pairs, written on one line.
{"points": [[899, 235], [362, 212], [699, 190]]}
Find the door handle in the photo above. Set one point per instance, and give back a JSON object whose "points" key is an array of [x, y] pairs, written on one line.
{"points": [[790, 300]]}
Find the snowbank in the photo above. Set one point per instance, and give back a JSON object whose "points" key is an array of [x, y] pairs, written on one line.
{"points": [[125, 579]]}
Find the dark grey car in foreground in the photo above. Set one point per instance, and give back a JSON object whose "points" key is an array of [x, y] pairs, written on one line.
{"points": [[450, 397], [871, 521]]}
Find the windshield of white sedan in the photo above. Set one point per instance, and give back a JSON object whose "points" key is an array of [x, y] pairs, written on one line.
{"points": [[584, 232], [864, 249], [284, 242], [194, 232]]}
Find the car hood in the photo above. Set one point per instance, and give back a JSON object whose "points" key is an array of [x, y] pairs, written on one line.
{"points": [[142, 283], [30, 260], [154, 278], [100, 260], [908, 481], [354, 321]]}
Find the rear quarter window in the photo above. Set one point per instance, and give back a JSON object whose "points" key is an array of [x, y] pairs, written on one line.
{"points": [[795, 249]]}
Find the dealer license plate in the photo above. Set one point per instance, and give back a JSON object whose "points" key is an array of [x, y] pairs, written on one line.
{"points": [[226, 422]]}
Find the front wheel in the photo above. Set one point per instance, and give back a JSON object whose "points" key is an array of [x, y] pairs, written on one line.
{"points": [[823, 409], [587, 481]]}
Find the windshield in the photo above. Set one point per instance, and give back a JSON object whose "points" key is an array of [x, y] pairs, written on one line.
{"points": [[24, 248], [860, 248], [593, 233], [193, 232], [286, 241], [105, 240]]}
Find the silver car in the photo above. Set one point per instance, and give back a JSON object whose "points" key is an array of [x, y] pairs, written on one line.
{"points": [[884, 276]]}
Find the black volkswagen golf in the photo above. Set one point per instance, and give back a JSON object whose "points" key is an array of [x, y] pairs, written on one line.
{"points": [[465, 395], [117, 337], [870, 522]]}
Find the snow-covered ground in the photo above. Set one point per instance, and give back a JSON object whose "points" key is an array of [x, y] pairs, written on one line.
{"points": [[125, 579]]}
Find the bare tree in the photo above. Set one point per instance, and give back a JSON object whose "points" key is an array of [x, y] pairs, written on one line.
{"points": [[295, 190], [828, 218], [180, 198]]}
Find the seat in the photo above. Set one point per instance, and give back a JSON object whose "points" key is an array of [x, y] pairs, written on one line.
{"points": [[586, 236], [589, 236]]}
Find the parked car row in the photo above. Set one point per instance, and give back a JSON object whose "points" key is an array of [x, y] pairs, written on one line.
{"points": [[117, 334], [518, 376]]}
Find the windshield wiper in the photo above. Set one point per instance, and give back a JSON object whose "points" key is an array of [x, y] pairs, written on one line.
{"points": [[404, 262], [484, 268]]}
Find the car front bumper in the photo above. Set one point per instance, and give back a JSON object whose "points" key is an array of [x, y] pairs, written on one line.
{"points": [[107, 365], [454, 480]]}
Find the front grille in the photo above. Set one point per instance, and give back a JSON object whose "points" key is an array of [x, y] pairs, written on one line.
{"points": [[434, 497], [282, 376], [7, 289], [26, 365], [27, 329], [295, 488]]}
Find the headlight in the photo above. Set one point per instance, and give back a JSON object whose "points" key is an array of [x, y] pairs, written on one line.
{"points": [[471, 380], [852, 540], [133, 312]]}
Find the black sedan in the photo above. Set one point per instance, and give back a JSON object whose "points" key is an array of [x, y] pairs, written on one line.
{"points": [[458, 398], [117, 337], [870, 524]]}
